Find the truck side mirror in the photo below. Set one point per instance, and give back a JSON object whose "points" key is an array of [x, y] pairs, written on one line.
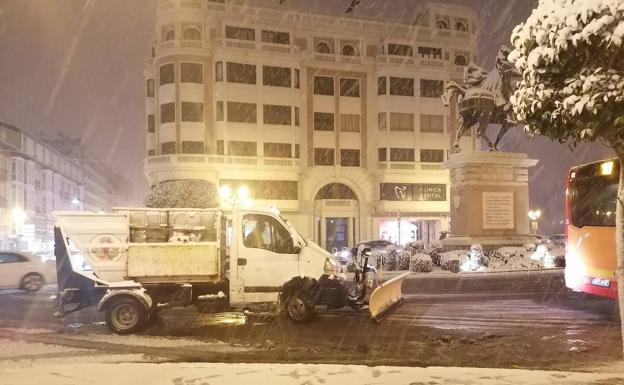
{"points": [[366, 252], [294, 246]]}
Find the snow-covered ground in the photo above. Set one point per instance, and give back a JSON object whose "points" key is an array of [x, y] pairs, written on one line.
{"points": [[286, 374]]}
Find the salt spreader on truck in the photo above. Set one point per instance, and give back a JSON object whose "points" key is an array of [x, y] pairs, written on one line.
{"points": [[142, 260]]}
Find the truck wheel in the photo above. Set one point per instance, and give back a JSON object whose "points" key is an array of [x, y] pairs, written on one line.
{"points": [[297, 309], [125, 316]]}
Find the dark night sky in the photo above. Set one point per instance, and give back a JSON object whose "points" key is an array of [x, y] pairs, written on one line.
{"points": [[76, 66]]}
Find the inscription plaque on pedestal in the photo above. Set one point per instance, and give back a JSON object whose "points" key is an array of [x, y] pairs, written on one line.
{"points": [[498, 213]]}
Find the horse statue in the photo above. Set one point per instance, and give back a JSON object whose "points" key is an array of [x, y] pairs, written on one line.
{"points": [[484, 98]]}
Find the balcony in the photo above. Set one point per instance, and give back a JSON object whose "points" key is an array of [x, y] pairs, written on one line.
{"points": [[177, 44], [409, 166], [271, 48], [222, 161], [337, 58], [409, 60]]}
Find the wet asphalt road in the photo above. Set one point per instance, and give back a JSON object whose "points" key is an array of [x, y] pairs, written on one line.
{"points": [[549, 330]]}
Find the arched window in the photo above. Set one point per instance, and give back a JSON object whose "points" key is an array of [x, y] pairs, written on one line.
{"points": [[461, 60], [169, 34], [441, 24], [335, 191], [459, 26], [348, 50], [322, 47], [191, 33]]}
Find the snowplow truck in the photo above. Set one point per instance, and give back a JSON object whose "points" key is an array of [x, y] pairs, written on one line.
{"points": [[133, 262]]}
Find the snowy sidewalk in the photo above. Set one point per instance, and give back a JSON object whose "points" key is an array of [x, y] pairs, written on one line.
{"points": [[280, 374]]}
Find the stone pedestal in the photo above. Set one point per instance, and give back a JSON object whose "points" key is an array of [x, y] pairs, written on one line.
{"points": [[489, 199]]}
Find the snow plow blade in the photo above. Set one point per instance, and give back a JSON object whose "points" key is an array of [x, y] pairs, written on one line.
{"points": [[385, 297]]}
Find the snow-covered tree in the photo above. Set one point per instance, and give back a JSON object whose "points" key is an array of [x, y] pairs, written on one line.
{"points": [[198, 194], [571, 57]]}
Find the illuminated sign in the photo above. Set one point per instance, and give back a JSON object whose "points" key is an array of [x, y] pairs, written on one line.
{"points": [[412, 192]]}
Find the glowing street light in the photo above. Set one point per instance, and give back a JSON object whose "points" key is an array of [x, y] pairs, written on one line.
{"points": [[19, 216], [534, 215], [241, 197], [77, 202]]}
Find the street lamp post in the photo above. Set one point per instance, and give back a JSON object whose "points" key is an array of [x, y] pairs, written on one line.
{"points": [[75, 201], [534, 215]]}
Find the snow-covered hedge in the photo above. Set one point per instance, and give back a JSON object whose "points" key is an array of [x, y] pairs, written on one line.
{"points": [[404, 260], [420, 263], [197, 194], [453, 260], [434, 252]]}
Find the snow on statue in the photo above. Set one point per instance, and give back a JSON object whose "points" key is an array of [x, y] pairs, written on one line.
{"points": [[570, 54]]}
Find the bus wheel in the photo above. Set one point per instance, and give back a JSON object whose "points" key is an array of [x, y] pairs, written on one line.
{"points": [[125, 316]]}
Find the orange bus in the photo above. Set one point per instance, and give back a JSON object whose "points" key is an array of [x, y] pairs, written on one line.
{"points": [[590, 228]]}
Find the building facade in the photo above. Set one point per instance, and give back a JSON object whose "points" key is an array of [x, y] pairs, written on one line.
{"points": [[36, 179], [337, 121]]}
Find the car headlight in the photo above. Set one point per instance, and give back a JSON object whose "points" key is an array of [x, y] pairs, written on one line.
{"points": [[331, 267]]}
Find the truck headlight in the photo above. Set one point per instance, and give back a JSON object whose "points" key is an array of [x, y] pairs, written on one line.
{"points": [[331, 267]]}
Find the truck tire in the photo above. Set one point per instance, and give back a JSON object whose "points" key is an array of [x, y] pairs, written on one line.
{"points": [[297, 309], [126, 315]]}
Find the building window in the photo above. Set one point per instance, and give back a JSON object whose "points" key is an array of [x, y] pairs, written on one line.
{"points": [[219, 71], [278, 150], [400, 50], [348, 50], [461, 60], [191, 73], [242, 148], [350, 87], [296, 78], [220, 147], [168, 148], [401, 86], [349, 123], [297, 151], [322, 47], [168, 34], [296, 116], [274, 114], [189, 147], [167, 113], [240, 33], [192, 112], [276, 37], [241, 73], [382, 124], [381, 85], [461, 26], [241, 112], [442, 24], [431, 123], [191, 33], [219, 111], [151, 125], [402, 155], [276, 76], [382, 154], [431, 88], [323, 121], [323, 85], [324, 156], [401, 121], [151, 152], [430, 53], [431, 155], [167, 74], [350, 158], [150, 88]]}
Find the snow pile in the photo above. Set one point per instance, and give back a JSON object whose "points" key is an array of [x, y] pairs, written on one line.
{"points": [[453, 260], [512, 258]]}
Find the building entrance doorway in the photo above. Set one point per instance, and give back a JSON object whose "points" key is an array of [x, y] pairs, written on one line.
{"points": [[336, 233], [337, 217]]}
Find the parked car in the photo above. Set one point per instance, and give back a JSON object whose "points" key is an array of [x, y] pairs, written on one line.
{"points": [[557, 239], [25, 271], [541, 239]]}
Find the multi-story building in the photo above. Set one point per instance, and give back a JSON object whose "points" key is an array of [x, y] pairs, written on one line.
{"points": [[37, 178], [335, 120]]}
